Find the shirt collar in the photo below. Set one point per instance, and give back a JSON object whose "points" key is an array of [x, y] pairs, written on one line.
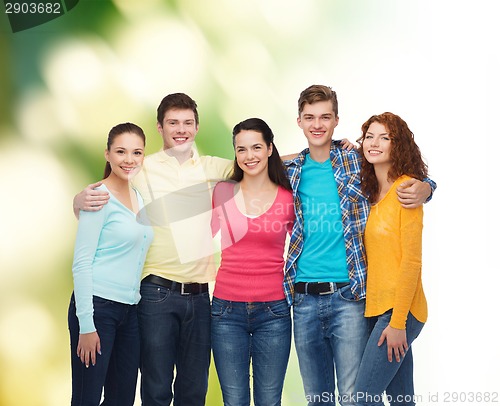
{"points": [[164, 157]]}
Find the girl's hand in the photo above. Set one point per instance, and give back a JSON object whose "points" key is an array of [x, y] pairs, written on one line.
{"points": [[396, 342], [88, 345]]}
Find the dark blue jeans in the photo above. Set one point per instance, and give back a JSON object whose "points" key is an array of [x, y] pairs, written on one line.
{"points": [[117, 367], [175, 332], [257, 332]]}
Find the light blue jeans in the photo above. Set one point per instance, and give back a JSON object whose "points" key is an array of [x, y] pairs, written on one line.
{"points": [[330, 333], [377, 374], [256, 332]]}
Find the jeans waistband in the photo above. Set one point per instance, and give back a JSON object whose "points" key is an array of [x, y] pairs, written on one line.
{"points": [[182, 288], [319, 288]]}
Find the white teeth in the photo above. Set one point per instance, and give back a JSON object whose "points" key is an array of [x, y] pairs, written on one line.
{"points": [[180, 139], [251, 163]]}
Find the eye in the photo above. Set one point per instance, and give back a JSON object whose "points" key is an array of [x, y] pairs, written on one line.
{"points": [[138, 153], [368, 137]]}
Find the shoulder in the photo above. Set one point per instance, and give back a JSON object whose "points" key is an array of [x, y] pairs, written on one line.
{"points": [[297, 160], [220, 166], [401, 179], [285, 194], [353, 154], [223, 192], [153, 157], [214, 160]]}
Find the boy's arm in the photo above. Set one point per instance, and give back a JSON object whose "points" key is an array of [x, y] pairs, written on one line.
{"points": [[413, 193], [90, 199]]}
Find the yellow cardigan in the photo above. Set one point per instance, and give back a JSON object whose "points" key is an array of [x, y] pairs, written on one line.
{"points": [[393, 242]]}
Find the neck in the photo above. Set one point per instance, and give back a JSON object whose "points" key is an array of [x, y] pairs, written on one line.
{"points": [[181, 154], [384, 183], [116, 183], [256, 183], [319, 154]]}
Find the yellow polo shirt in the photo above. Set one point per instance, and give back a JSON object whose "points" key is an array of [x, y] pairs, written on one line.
{"points": [[178, 204], [393, 242]]}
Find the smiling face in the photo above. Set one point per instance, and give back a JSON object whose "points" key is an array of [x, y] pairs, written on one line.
{"points": [[318, 121], [251, 152], [377, 144], [178, 130], [125, 155]]}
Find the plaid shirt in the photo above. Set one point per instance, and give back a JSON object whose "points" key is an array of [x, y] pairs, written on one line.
{"points": [[346, 166]]}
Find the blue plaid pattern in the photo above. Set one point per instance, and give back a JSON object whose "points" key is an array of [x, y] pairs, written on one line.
{"points": [[346, 166], [355, 208]]}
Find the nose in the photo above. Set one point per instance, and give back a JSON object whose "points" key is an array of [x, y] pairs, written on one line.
{"points": [[317, 122], [374, 142], [129, 158]]}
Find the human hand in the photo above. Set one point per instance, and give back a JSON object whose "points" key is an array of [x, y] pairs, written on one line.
{"points": [[413, 193], [396, 342], [347, 145], [88, 345], [90, 199]]}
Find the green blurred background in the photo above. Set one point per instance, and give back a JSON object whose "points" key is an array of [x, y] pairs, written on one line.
{"points": [[65, 83]]}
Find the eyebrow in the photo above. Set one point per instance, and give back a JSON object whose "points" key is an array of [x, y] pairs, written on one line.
{"points": [[254, 145], [386, 133], [135, 149]]}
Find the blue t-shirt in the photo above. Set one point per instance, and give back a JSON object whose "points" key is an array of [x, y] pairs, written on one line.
{"points": [[323, 257]]}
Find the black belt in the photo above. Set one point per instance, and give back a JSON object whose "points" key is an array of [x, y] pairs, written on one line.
{"points": [[319, 288], [182, 288]]}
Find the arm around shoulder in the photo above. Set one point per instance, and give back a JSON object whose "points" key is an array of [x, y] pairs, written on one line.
{"points": [[90, 199]]}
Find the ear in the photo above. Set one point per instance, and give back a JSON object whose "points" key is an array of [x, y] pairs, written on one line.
{"points": [[270, 150], [159, 126], [106, 155], [299, 122]]}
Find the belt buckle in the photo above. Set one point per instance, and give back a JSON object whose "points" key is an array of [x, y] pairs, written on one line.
{"points": [[183, 292], [331, 290]]}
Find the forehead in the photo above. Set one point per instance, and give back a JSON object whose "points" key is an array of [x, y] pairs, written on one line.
{"points": [[128, 140], [377, 128], [318, 108], [248, 137], [179, 114]]}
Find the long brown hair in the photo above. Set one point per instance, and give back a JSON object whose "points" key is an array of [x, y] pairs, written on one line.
{"points": [[405, 155], [275, 167], [115, 132]]}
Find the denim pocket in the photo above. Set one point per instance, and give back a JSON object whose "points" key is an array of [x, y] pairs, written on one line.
{"points": [[101, 302], [298, 298], [346, 294], [154, 293], [219, 307], [279, 309]]}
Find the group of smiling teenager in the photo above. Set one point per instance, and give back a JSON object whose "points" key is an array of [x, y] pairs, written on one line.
{"points": [[143, 261]]}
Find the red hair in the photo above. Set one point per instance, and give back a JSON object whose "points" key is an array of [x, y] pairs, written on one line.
{"points": [[405, 155]]}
